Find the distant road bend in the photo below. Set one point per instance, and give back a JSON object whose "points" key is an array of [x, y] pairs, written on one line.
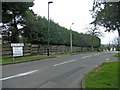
{"points": [[60, 72]]}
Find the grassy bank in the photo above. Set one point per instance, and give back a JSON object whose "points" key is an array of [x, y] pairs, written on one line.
{"points": [[106, 76]]}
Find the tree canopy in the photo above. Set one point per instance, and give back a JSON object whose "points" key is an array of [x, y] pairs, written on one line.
{"points": [[36, 31], [107, 14], [13, 14], [35, 28]]}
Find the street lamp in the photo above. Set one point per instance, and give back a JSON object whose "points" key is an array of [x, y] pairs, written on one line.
{"points": [[71, 38], [48, 27]]}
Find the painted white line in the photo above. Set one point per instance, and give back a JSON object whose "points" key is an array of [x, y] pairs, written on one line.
{"points": [[64, 62], [19, 75], [107, 59], [86, 56], [97, 54]]}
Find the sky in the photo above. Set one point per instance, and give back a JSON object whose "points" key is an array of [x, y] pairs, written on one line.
{"points": [[66, 12]]}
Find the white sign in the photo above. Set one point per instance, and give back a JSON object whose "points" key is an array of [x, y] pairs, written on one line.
{"points": [[17, 49], [17, 44]]}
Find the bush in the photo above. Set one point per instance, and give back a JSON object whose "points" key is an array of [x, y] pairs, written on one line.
{"points": [[99, 50]]}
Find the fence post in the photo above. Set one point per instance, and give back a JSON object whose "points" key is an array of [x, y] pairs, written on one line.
{"points": [[31, 48], [38, 49]]}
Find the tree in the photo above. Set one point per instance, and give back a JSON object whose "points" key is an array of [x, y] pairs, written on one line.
{"points": [[34, 28], [116, 42], [106, 14], [13, 14], [30, 30], [94, 31]]}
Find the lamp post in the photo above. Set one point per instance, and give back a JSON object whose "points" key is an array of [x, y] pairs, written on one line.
{"points": [[48, 28], [71, 38]]}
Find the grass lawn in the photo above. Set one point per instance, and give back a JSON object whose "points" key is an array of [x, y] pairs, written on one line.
{"points": [[23, 59], [106, 76]]}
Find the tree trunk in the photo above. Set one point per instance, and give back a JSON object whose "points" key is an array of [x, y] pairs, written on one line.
{"points": [[92, 45], [92, 48], [16, 33], [15, 24]]}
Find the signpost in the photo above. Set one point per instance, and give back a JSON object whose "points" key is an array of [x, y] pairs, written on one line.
{"points": [[17, 49]]}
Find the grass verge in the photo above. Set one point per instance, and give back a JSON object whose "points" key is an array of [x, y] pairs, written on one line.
{"points": [[117, 55], [106, 76], [21, 59]]}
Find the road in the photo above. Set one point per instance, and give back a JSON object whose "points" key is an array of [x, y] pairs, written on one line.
{"points": [[59, 72]]}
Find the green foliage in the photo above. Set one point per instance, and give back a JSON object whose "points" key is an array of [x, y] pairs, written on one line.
{"points": [[37, 32], [107, 15], [35, 28], [108, 48], [30, 29], [13, 14], [99, 50]]}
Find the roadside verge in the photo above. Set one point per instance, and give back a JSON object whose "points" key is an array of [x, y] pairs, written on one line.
{"points": [[104, 76]]}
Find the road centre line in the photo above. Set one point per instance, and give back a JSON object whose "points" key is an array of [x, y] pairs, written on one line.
{"points": [[86, 56], [30, 72], [107, 59], [97, 54], [19, 75], [64, 62], [72, 60]]}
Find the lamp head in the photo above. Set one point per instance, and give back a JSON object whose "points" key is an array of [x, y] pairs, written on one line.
{"points": [[50, 2]]}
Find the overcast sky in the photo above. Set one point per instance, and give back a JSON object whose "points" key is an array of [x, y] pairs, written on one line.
{"points": [[66, 12]]}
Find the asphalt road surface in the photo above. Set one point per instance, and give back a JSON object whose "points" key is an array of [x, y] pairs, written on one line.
{"points": [[59, 72]]}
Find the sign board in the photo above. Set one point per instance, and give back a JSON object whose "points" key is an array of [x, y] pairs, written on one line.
{"points": [[17, 49], [17, 44]]}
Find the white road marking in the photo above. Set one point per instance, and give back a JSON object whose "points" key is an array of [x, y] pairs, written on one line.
{"points": [[86, 56], [107, 59], [97, 54], [19, 75], [64, 62], [74, 60]]}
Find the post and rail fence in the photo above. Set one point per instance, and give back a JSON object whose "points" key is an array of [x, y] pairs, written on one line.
{"points": [[34, 49]]}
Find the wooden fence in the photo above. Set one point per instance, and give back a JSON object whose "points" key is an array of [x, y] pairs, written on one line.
{"points": [[32, 49]]}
